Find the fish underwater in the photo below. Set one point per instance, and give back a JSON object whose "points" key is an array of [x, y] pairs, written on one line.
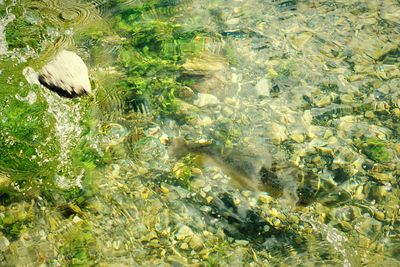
{"points": [[247, 170]]}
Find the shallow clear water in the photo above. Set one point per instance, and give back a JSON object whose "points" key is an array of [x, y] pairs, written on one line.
{"points": [[242, 133]]}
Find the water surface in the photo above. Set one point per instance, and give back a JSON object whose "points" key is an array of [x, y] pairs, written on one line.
{"points": [[241, 133]]}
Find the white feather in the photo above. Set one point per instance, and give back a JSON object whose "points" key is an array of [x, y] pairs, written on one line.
{"points": [[67, 75]]}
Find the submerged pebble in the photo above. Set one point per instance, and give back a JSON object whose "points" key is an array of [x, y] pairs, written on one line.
{"points": [[184, 232], [4, 243], [206, 100], [69, 15], [306, 89]]}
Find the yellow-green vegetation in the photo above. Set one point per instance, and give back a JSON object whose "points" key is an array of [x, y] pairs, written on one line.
{"points": [[16, 218], [152, 52], [305, 105], [374, 149], [78, 246], [29, 147], [26, 30], [25, 141], [182, 171]]}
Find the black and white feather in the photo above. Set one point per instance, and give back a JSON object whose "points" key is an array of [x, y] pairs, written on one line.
{"points": [[67, 75]]}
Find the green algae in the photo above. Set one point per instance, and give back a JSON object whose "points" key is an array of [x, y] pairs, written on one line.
{"points": [[26, 145], [182, 172], [32, 33], [77, 246], [152, 55], [29, 154], [375, 149], [12, 228], [151, 52], [16, 219]]}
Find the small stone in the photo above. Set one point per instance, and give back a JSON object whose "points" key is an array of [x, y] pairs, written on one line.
{"points": [[4, 243], [231, 101], [205, 208], [4, 180], [68, 15], [196, 171], [277, 133], [328, 133], [364, 242], [263, 87], [205, 63], [116, 244], [265, 198], [381, 106], [31, 76], [154, 131], [397, 149], [369, 114], [356, 212], [205, 121], [196, 242], [185, 92], [242, 242], [323, 101], [77, 219], [272, 73], [144, 192], [207, 188], [356, 77], [142, 170], [299, 40], [163, 252], [234, 78], [184, 246], [379, 215], [197, 183], [383, 177], [347, 99], [332, 140], [346, 226], [204, 254], [233, 21], [298, 138], [379, 192], [358, 194], [228, 111], [295, 219], [150, 236], [204, 142], [164, 139], [184, 232], [164, 189], [276, 222], [177, 260], [206, 100]]}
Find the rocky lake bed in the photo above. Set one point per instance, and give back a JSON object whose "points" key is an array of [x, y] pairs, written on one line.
{"points": [[215, 133]]}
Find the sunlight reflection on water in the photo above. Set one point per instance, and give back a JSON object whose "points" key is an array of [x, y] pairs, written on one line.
{"points": [[300, 95]]}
